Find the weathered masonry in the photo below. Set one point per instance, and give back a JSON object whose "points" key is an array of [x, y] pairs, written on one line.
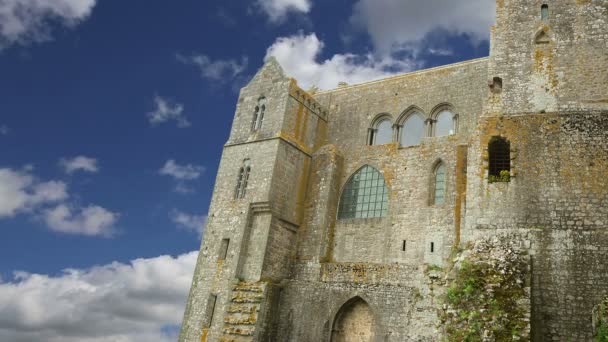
{"points": [[331, 207]]}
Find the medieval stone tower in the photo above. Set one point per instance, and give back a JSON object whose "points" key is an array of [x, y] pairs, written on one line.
{"points": [[330, 208]]}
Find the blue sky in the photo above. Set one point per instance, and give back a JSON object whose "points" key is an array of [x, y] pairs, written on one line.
{"points": [[112, 119]]}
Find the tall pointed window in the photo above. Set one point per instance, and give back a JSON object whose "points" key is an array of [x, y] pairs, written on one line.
{"points": [[544, 12], [499, 153], [439, 184], [382, 133], [258, 115], [243, 179], [365, 195], [412, 130]]}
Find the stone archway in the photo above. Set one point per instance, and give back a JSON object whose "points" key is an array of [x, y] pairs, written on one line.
{"points": [[353, 323]]}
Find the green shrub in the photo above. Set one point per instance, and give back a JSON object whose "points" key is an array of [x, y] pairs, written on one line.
{"points": [[504, 177]]}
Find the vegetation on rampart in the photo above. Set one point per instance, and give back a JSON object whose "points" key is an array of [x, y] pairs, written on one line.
{"points": [[487, 298], [602, 324]]}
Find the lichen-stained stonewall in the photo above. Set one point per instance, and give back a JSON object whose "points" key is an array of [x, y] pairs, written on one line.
{"points": [[334, 211]]}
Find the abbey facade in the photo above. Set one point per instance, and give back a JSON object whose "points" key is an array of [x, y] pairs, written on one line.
{"points": [[331, 207]]}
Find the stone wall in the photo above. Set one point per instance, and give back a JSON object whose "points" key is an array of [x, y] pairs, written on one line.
{"points": [[543, 88], [557, 203]]}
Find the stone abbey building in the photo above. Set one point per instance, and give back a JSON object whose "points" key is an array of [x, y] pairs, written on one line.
{"points": [[331, 206]]}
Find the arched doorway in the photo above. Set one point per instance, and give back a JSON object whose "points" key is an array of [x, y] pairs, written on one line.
{"points": [[354, 322]]}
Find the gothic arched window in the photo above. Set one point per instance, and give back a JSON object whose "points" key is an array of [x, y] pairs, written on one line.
{"points": [[445, 124], [365, 195], [258, 115], [499, 153], [438, 194], [412, 130], [243, 179], [382, 132]]}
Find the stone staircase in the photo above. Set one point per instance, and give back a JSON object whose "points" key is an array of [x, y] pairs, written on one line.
{"points": [[242, 314]]}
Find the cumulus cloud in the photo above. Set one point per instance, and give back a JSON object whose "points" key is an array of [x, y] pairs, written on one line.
{"points": [[397, 24], [181, 172], [90, 221], [216, 70], [4, 130], [143, 300], [22, 192], [167, 111], [192, 223], [299, 54], [25, 21], [80, 163], [277, 10]]}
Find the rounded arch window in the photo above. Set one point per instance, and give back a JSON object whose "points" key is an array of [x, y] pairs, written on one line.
{"points": [[383, 133], [445, 124], [412, 130]]}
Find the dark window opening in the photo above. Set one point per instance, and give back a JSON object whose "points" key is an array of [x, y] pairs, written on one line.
{"points": [[496, 85], [404, 245], [544, 12], [432, 247], [499, 150], [223, 249]]}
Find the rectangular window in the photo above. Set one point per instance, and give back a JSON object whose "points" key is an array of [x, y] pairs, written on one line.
{"points": [[210, 310], [223, 249]]}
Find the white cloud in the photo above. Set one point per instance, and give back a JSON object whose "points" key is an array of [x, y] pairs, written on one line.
{"points": [[193, 223], [277, 10], [20, 192], [181, 172], [90, 221], [80, 163], [398, 24], [4, 130], [24, 21], [218, 70], [166, 111], [298, 55], [117, 302]]}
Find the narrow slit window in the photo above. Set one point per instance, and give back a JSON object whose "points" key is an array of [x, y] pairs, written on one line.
{"points": [[544, 12], [223, 249], [210, 310], [432, 247], [403, 247]]}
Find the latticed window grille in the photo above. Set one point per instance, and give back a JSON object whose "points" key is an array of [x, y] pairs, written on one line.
{"points": [[439, 194], [243, 179], [365, 195], [499, 150], [258, 115]]}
